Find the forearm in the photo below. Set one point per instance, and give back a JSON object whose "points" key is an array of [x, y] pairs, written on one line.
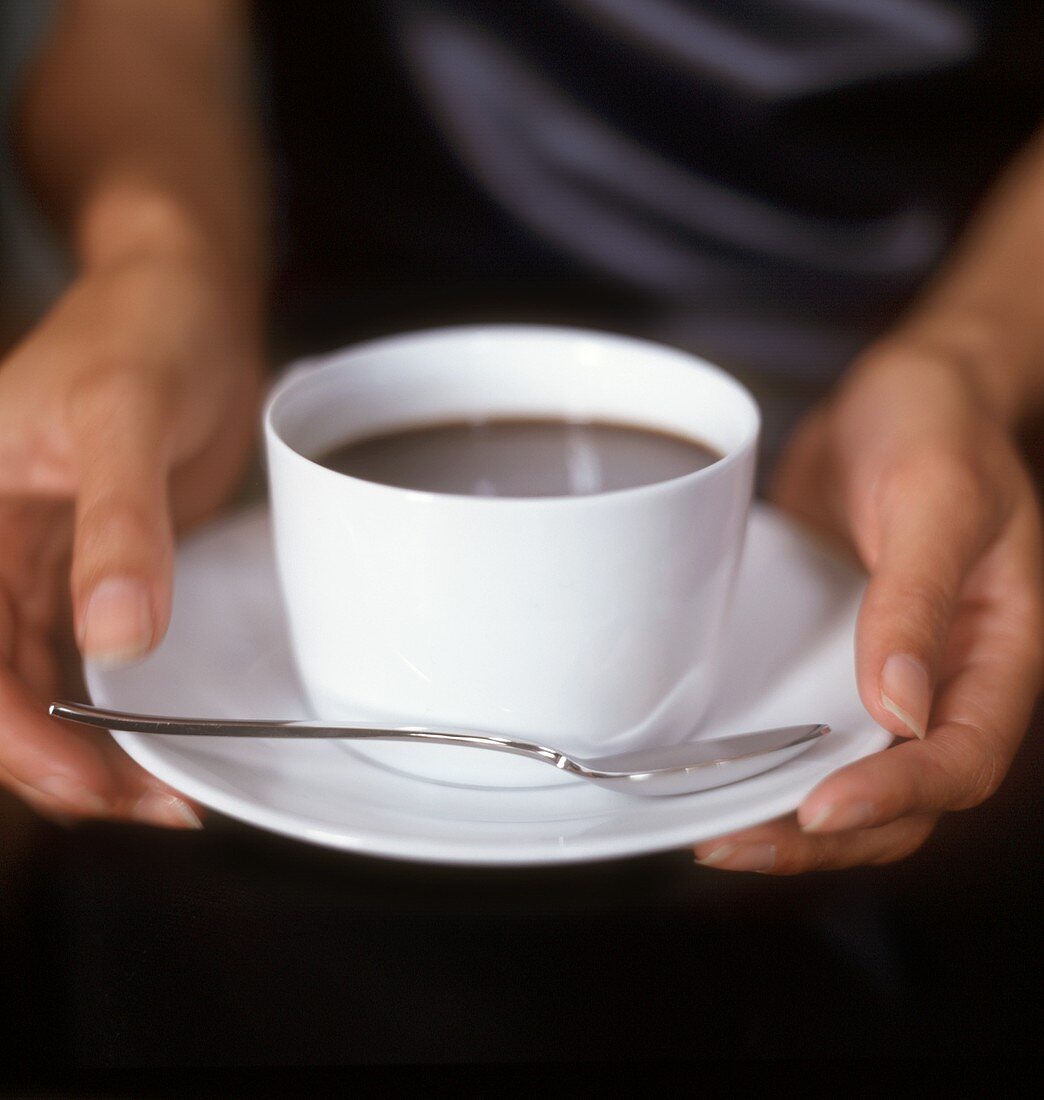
{"points": [[985, 309], [137, 135]]}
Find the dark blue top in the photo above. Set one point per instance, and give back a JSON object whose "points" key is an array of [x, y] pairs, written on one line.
{"points": [[765, 181]]}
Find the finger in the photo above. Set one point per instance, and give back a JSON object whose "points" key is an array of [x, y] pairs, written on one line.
{"points": [[123, 543], [933, 522], [34, 751], [978, 723], [150, 801], [993, 668], [142, 799], [782, 848], [79, 773], [960, 764], [46, 806], [57, 768]]}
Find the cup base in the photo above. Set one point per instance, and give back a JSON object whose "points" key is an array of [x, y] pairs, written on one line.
{"points": [[465, 766], [454, 766]]}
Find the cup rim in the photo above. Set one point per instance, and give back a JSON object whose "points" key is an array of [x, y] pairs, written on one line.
{"points": [[299, 371]]}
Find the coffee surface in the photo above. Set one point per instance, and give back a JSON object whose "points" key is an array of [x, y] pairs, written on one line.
{"points": [[520, 458]]}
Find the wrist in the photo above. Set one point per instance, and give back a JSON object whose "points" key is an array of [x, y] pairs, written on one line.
{"points": [[905, 393], [999, 361], [126, 223]]}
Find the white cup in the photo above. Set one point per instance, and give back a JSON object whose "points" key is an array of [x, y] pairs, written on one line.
{"points": [[589, 623]]}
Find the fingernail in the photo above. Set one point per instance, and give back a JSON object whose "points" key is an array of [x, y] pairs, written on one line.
{"points": [[164, 808], [836, 819], [72, 795], [906, 691], [741, 857], [117, 625]]}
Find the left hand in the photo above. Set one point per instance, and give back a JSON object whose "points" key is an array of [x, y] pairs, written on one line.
{"points": [[910, 467], [126, 414]]}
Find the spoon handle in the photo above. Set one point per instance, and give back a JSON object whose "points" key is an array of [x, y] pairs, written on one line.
{"points": [[221, 727], [687, 758]]}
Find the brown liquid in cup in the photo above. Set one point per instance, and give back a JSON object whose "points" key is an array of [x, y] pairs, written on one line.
{"points": [[520, 458]]}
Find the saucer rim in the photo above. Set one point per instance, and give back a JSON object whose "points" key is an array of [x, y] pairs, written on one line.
{"points": [[420, 849]]}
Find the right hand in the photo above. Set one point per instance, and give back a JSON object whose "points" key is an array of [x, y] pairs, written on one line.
{"points": [[129, 412]]}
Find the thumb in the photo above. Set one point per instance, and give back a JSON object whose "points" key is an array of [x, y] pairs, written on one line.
{"points": [[123, 543], [934, 521]]}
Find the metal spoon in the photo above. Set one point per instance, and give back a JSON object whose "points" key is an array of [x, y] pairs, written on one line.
{"points": [[675, 769]]}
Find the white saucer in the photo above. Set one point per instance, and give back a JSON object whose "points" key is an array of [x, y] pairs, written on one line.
{"points": [[788, 660]]}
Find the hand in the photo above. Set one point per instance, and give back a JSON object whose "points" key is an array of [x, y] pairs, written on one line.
{"points": [[912, 470], [128, 412]]}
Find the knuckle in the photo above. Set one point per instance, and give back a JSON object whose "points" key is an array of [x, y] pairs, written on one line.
{"points": [[111, 390], [984, 780], [977, 771], [905, 846], [917, 605], [823, 854], [810, 858], [946, 475], [785, 866], [924, 599], [929, 784], [109, 527]]}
